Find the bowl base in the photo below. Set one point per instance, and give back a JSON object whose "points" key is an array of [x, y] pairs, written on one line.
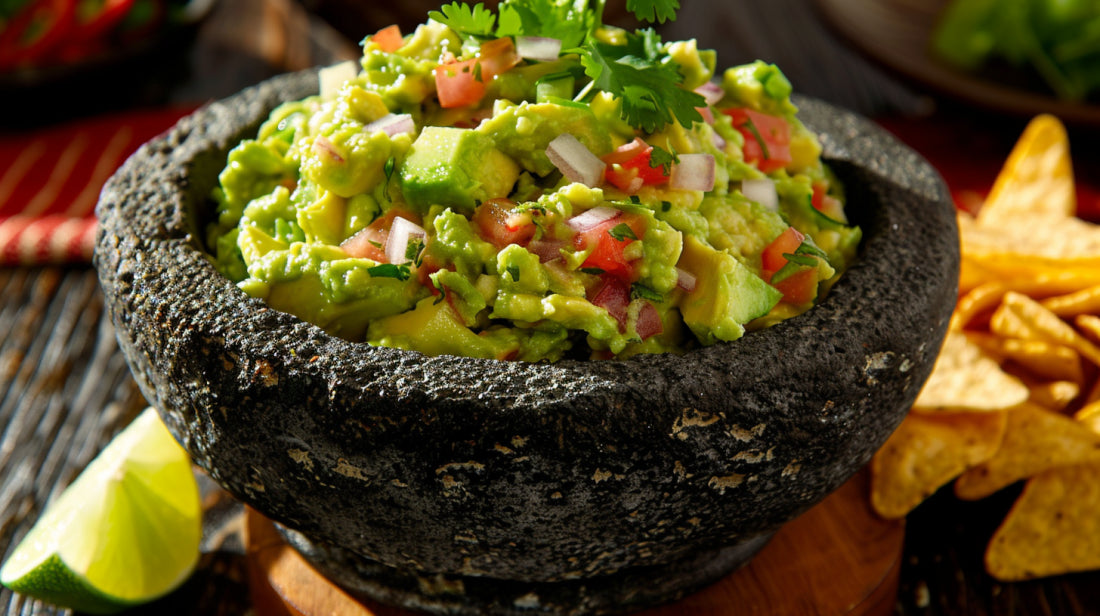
{"points": [[628, 590]]}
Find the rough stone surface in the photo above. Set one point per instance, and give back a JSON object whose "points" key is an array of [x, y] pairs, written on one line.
{"points": [[523, 472]]}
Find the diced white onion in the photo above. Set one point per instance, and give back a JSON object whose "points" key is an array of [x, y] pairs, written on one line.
{"points": [[332, 78], [711, 92], [718, 141], [397, 244], [761, 191], [575, 161], [592, 218], [685, 280], [541, 48], [693, 172], [392, 124]]}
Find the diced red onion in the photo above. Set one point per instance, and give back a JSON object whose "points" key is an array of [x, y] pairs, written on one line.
{"points": [[575, 161], [708, 115], [397, 244], [332, 78], [546, 250], [761, 191], [685, 280], [325, 148], [718, 141], [613, 295], [711, 92], [541, 48], [590, 219], [392, 124], [649, 322], [693, 172]]}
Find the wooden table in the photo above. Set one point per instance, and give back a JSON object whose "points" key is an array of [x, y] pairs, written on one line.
{"points": [[65, 389]]}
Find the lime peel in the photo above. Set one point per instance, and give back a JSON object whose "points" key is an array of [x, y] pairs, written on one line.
{"points": [[125, 532]]}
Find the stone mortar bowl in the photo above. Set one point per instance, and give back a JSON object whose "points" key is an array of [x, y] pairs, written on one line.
{"points": [[468, 486]]}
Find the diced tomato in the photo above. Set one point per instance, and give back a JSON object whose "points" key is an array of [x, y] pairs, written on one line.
{"points": [[462, 83], [370, 242], [800, 287], [388, 39], [786, 243], [499, 223], [430, 264], [649, 321], [767, 138], [607, 249], [826, 204], [628, 167], [613, 295]]}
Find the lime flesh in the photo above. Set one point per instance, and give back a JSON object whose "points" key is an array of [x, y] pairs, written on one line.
{"points": [[126, 531]]}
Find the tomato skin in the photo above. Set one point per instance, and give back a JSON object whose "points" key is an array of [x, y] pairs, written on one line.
{"points": [[773, 131], [462, 83], [388, 39], [630, 163], [800, 287], [500, 225], [772, 258], [607, 252], [363, 243]]}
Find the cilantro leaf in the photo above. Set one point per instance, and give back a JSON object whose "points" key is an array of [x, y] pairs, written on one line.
{"points": [[477, 21], [640, 290], [654, 10], [648, 86], [389, 270], [660, 157], [513, 271], [569, 22], [621, 232]]}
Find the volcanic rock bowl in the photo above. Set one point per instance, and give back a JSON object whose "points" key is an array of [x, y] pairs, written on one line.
{"points": [[467, 485]]}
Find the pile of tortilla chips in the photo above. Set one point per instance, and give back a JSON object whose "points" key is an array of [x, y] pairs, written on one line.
{"points": [[1015, 393]]}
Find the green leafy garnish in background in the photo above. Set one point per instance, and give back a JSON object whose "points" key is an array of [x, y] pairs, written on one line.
{"points": [[1058, 39]]}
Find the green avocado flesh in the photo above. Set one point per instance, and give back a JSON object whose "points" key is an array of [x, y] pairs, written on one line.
{"points": [[448, 196]]}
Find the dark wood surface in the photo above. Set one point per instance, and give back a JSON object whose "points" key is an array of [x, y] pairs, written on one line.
{"points": [[65, 388]]}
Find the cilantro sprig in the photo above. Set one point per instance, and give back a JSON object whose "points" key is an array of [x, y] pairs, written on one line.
{"points": [[640, 73]]}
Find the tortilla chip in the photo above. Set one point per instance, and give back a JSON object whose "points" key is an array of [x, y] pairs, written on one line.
{"points": [[1089, 416], [1054, 396], [926, 452], [1085, 301], [982, 298], [1043, 324], [1046, 242], [963, 378], [1035, 440], [1025, 274], [1053, 528], [1045, 360], [1037, 178], [1089, 325]]}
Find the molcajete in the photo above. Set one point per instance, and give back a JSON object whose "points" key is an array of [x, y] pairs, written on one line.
{"points": [[466, 472]]}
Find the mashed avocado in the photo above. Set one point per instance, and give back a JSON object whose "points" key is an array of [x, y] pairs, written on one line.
{"points": [[463, 190]]}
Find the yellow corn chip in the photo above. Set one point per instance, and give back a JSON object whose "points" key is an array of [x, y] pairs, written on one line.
{"points": [[986, 296], [1054, 396], [1046, 242], [1045, 324], [1090, 325], [963, 378], [1025, 274], [926, 452], [1045, 360], [1085, 301], [1053, 528], [1037, 178], [1035, 440], [1089, 416]]}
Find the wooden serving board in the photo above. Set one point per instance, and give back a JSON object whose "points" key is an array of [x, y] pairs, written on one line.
{"points": [[839, 558]]}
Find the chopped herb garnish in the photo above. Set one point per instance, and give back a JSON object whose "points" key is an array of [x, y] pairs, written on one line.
{"points": [[660, 157], [476, 21], [595, 271], [640, 290], [389, 270], [513, 271], [375, 244], [635, 199], [749, 124], [390, 163], [666, 206], [414, 250], [622, 232]]}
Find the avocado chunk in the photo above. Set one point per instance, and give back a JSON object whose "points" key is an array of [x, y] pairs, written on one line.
{"points": [[523, 131], [726, 295], [457, 168]]}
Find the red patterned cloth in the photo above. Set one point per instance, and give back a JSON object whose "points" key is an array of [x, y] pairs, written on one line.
{"points": [[50, 180]]}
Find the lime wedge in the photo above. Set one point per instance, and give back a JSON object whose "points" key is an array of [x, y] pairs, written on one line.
{"points": [[125, 532]]}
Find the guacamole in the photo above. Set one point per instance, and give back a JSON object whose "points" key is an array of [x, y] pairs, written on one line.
{"points": [[471, 189]]}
